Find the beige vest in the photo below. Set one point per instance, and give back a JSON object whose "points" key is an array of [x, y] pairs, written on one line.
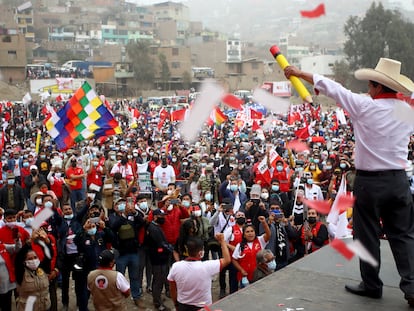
{"points": [[34, 284], [105, 295]]}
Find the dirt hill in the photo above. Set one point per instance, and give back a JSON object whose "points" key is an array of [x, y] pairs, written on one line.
{"points": [[12, 92]]}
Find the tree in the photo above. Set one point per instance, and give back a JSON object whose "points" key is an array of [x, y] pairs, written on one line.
{"points": [[142, 63], [381, 33], [165, 71]]}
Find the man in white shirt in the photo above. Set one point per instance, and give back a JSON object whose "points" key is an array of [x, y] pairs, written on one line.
{"points": [[190, 279], [163, 175], [381, 185]]}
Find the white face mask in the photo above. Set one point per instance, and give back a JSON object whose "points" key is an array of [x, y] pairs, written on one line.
{"points": [[39, 201], [197, 213], [48, 204], [58, 175], [170, 207], [264, 195], [32, 264], [169, 192]]}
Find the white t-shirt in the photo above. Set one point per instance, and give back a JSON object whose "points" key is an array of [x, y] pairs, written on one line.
{"points": [[193, 280], [164, 175], [263, 243]]}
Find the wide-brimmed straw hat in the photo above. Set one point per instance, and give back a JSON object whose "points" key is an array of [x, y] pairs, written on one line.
{"points": [[388, 73]]}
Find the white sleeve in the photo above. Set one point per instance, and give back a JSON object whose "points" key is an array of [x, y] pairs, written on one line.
{"points": [[122, 283], [262, 241], [236, 252]]}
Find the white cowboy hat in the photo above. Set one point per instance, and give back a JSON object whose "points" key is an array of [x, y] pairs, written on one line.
{"points": [[388, 73]]}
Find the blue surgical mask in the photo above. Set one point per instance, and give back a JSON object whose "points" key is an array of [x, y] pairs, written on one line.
{"points": [[279, 168], [342, 165], [68, 217], [272, 265], [310, 181], [234, 187], [208, 196], [316, 161], [28, 221], [92, 231], [10, 181], [121, 207], [275, 188], [186, 203]]}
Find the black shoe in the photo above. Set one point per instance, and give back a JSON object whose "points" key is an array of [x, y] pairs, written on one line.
{"points": [[361, 290], [410, 301], [222, 293]]}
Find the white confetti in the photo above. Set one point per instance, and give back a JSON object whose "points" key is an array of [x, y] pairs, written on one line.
{"points": [[210, 96], [273, 103]]}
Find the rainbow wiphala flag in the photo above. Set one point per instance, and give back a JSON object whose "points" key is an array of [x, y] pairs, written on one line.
{"points": [[84, 116]]}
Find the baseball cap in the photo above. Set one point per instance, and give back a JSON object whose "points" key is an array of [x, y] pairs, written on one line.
{"points": [[106, 257], [256, 189]]}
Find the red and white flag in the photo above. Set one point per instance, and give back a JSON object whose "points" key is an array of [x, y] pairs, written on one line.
{"points": [[355, 247], [317, 12], [263, 171], [305, 132]]}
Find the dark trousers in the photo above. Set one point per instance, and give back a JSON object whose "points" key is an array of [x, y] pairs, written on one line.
{"points": [[6, 301], [67, 268], [159, 277], [386, 197], [184, 307], [53, 294], [82, 292]]}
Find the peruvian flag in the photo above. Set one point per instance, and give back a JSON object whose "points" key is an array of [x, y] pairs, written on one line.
{"points": [[256, 126], [317, 12], [255, 114], [232, 101], [355, 247], [294, 115], [164, 114], [134, 112], [263, 175], [305, 132], [179, 115], [59, 98], [160, 124]]}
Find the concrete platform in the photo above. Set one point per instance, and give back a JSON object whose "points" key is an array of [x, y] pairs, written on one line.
{"points": [[315, 283]]}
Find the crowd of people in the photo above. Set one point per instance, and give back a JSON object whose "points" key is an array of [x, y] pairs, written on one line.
{"points": [[152, 199]]}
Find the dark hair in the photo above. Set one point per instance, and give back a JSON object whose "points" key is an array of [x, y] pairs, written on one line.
{"points": [[243, 243], [386, 89], [194, 245], [184, 236]]}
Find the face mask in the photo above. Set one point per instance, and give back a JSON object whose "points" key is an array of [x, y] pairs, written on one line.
{"points": [[129, 156], [10, 181], [58, 175], [197, 213], [241, 220], [328, 167], [161, 221], [186, 203], [169, 192], [11, 224], [208, 196], [185, 163], [312, 167], [271, 265], [264, 195], [170, 207], [68, 217], [32, 264], [121, 207], [174, 159], [275, 188], [299, 169], [48, 204], [28, 221], [25, 164], [151, 154], [143, 206], [95, 163], [342, 165], [310, 181], [136, 154], [255, 201], [92, 231], [203, 164], [312, 219], [279, 168], [316, 161], [43, 157], [113, 158], [234, 187], [38, 201]]}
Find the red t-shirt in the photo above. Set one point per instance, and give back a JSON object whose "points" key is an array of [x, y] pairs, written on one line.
{"points": [[77, 183]]}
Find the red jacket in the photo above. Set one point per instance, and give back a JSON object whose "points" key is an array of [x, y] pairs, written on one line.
{"points": [[248, 262], [9, 264], [172, 224]]}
